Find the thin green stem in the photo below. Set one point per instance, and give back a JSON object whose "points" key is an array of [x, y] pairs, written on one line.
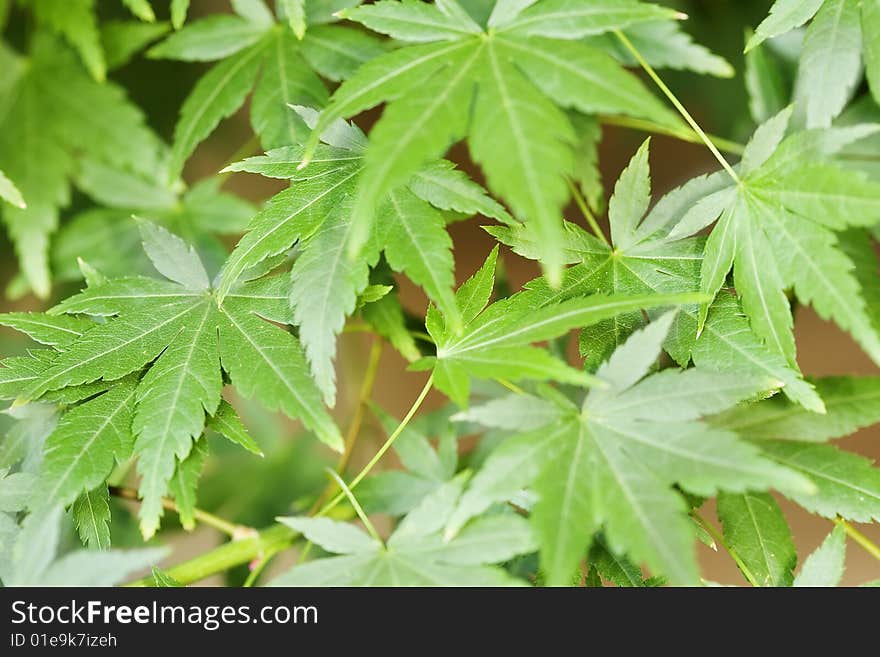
{"points": [[645, 125], [677, 103], [358, 509], [511, 386], [588, 214], [869, 546], [205, 518], [719, 539], [385, 446]]}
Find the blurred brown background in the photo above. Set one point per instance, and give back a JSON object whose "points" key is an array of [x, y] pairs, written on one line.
{"points": [[719, 105]]}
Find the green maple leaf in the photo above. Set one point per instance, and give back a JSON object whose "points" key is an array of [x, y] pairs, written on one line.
{"points": [[500, 84], [777, 230], [611, 462], [643, 259], [158, 360], [495, 341], [257, 53], [416, 554], [847, 485], [58, 115], [842, 33], [316, 213]]}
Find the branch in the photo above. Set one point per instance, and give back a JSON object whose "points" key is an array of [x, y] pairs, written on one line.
{"points": [[234, 553], [228, 528], [354, 428]]}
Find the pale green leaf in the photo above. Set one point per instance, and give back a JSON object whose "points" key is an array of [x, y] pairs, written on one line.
{"points": [[172, 257], [830, 63], [824, 567], [584, 78], [510, 467], [571, 19], [337, 52], [412, 20], [90, 568], [16, 490], [847, 485], [759, 284], [254, 11], [664, 44], [332, 535], [851, 403], [785, 15], [765, 140], [208, 39], [516, 412]]}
